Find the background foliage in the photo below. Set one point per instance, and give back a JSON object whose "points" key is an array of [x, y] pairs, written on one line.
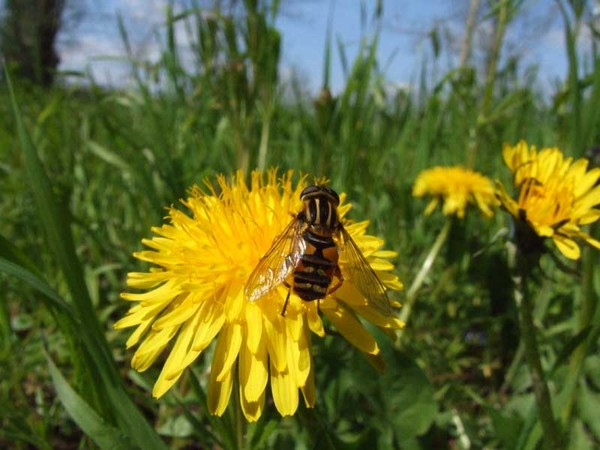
{"points": [[85, 172]]}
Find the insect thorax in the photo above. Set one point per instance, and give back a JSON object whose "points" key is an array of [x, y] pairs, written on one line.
{"points": [[320, 214]]}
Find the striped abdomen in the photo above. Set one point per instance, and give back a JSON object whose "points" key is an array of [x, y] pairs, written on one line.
{"points": [[317, 266]]}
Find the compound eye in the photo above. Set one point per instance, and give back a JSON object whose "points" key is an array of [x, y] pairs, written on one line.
{"points": [[315, 190], [309, 190], [334, 195]]}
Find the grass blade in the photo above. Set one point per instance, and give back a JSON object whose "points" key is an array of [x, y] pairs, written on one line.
{"points": [[54, 300], [103, 434], [56, 220]]}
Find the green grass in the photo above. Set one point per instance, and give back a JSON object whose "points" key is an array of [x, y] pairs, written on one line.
{"points": [[86, 172]]}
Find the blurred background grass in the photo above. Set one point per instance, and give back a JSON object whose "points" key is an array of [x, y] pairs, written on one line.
{"points": [[93, 169]]}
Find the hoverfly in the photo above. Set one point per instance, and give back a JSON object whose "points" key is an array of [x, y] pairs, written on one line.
{"points": [[304, 257]]}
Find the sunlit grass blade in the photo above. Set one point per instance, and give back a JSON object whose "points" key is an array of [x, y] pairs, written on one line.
{"points": [[590, 117], [574, 89], [103, 434], [342, 55], [56, 224], [55, 220], [109, 157], [327, 53]]}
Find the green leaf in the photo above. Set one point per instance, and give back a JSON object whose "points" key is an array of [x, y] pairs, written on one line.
{"points": [[507, 427], [261, 432], [588, 403], [408, 396], [176, 426], [579, 438], [403, 395], [103, 434], [592, 370]]}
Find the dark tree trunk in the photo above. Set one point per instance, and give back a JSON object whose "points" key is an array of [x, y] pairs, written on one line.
{"points": [[28, 37]]}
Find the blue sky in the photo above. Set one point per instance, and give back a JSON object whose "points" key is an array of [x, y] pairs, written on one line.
{"points": [[95, 45]]}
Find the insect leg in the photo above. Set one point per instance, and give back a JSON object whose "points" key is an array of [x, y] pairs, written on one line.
{"points": [[287, 298], [340, 277]]}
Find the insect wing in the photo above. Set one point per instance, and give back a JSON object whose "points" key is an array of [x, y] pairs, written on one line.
{"points": [[277, 264], [363, 276]]}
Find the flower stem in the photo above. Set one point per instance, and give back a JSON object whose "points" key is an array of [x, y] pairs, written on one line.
{"points": [[239, 424], [540, 388], [411, 294]]}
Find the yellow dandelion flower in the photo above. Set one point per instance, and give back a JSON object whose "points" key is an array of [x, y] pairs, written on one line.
{"points": [[556, 195], [457, 187], [195, 295]]}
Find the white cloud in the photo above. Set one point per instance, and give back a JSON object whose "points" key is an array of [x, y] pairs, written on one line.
{"points": [[98, 45], [152, 11], [98, 38]]}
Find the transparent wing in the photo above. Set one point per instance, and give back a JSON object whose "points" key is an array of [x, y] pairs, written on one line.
{"points": [[363, 276], [277, 264]]}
